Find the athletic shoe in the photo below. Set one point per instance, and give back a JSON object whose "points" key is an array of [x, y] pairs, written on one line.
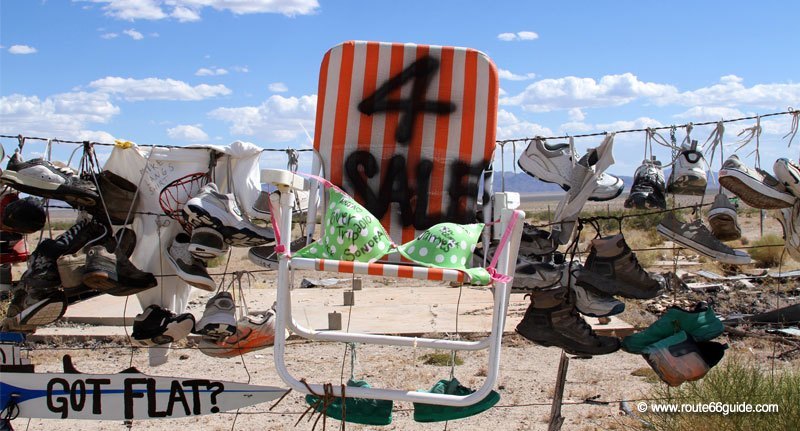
{"points": [[219, 319], [211, 208], [536, 242], [207, 243], [554, 164], [536, 275], [723, 219], [648, 187], [45, 311], [130, 279], [552, 320], [265, 255], [755, 187], [253, 332], [83, 233], [612, 268], [101, 269], [23, 216], [39, 177], [157, 326], [189, 268], [688, 176], [788, 173], [42, 272], [119, 196], [596, 304], [790, 221], [696, 236], [70, 270]]}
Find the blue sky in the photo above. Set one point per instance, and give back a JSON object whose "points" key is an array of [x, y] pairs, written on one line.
{"points": [[214, 71]]}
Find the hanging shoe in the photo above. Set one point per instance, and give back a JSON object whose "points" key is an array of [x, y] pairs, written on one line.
{"points": [[530, 275], [23, 216], [552, 320], [265, 255], [536, 242], [788, 173], [554, 164], [253, 332], [45, 311], [723, 219], [790, 222], [211, 208], [157, 326], [207, 243], [42, 272], [130, 279], [100, 272], [219, 319], [39, 177], [86, 231], [688, 176], [596, 304], [755, 187], [70, 270], [612, 268], [119, 196], [648, 189], [189, 268], [696, 236]]}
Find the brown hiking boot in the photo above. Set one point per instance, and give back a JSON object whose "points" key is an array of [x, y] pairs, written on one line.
{"points": [[552, 320], [612, 268]]}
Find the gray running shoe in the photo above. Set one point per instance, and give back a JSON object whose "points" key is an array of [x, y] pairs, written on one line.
{"points": [[723, 220], [211, 208], [596, 304], [536, 242], [790, 221], [755, 187], [696, 236], [219, 317], [536, 275], [688, 176], [612, 268], [189, 268], [552, 320]]}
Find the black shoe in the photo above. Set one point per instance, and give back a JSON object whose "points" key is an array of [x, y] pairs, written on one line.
{"points": [[266, 257], [189, 268], [157, 326], [131, 279], [552, 320], [536, 242], [24, 216], [648, 189], [101, 269], [39, 177], [84, 232], [42, 272], [45, 311], [207, 243]]}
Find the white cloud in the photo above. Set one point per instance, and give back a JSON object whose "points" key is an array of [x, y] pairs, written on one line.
{"points": [[575, 114], [730, 92], [509, 126], [21, 49], [573, 92], [278, 119], [187, 132], [520, 35], [65, 115], [157, 89], [240, 69], [215, 71], [507, 74], [135, 35], [109, 35], [502, 92], [709, 113], [191, 10], [278, 87]]}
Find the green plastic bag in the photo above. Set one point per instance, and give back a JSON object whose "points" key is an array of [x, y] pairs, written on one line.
{"points": [[357, 410], [436, 413], [702, 324]]}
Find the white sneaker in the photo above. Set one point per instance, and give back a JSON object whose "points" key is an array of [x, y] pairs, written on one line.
{"points": [[594, 304], [788, 173], [790, 221], [219, 317], [688, 175], [210, 208], [755, 187], [554, 164], [189, 268]]}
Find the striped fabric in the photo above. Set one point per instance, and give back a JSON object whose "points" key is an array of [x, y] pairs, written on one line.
{"points": [[386, 270], [439, 146]]}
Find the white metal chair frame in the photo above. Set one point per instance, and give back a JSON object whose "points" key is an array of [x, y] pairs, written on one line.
{"points": [[287, 182]]}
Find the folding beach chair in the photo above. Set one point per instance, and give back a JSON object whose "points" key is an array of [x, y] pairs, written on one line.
{"points": [[409, 131]]}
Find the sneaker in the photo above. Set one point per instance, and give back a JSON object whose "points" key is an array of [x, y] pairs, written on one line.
{"points": [[45, 311], [266, 257], [696, 236], [157, 326], [189, 268], [130, 279], [596, 304], [723, 219], [207, 243], [755, 187], [552, 320], [119, 196], [536, 275], [788, 173], [39, 177], [23, 216], [85, 232], [688, 176], [42, 272], [219, 319], [612, 268], [554, 164], [211, 208], [70, 270], [101, 269], [253, 332], [648, 189], [536, 242], [790, 221]]}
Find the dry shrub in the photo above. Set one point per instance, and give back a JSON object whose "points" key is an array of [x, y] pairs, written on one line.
{"points": [[767, 257]]}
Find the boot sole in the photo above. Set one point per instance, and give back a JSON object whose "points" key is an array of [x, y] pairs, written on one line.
{"points": [[753, 192], [566, 349], [99, 280], [724, 227], [702, 249]]}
